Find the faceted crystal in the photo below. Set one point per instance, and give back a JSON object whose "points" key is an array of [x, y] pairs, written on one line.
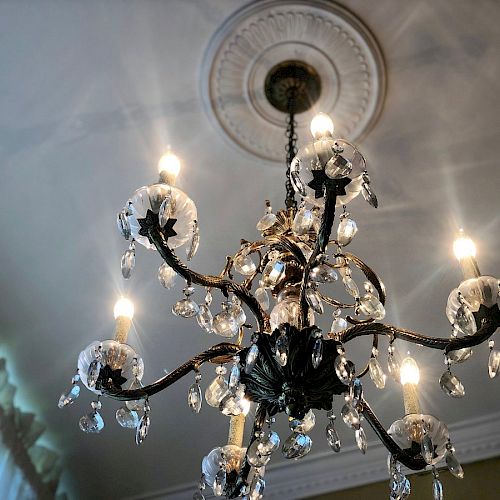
{"points": [[166, 209], [350, 286], [166, 276], [266, 222], [194, 397], [225, 325], [257, 455], [371, 306], [273, 273], [437, 489], [393, 366], [186, 308], [494, 363], [137, 404], [451, 385], [338, 167], [233, 404], [262, 297], [70, 397], [323, 274], [356, 391], [303, 221], [338, 324], [460, 355], [128, 263], [238, 314], [454, 465], [346, 231], [129, 419], [350, 416], [282, 349], [216, 391], [369, 195], [205, 318], [256, 489], [427, 449], [304, 425], [220, 482], [93, 373], [361, 440], [251, 358], [332, 437], [269, 443], [123, 224], [297, 445], [195, 242], [244, 265], [92, 423], [234, 377], [314, 300], [376, 373], [464, 321], [142, 429], [342, 369], [317, 353]]}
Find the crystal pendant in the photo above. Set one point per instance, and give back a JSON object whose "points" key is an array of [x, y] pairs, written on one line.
{"points": [[225, 325], [346, 231], [244, 264], [332, 437], [266, 222], [297, 445], [166, 209], [69, 398], [376, 373], [338, 324], [220, 482], [91, 423], [93, 373], [269, 443], [123, 224], [451, 385], [314, 300], [129, 419], [361, 440], [304, 425], [128, 262], [282, 349], [205, 318], [303, 221], [251, 358], [233, 404], [234, 377], [437, 489], [459, 355], [262, 297], [494, 363], [454, 465], [273, 273], [400, 486], [256, 488], [338, 167], [464, 321], [350, 416], [166, 276], [237, 311], [356, 391], [393, 366], [142, 429], [186, 308], [427, 449], [371, 306], [216, 391], [323, 274], [137, 404], [195, 241], [317, 352], [369, 195], [256, 454], [194, 397], [350, 286], [342, 369]]}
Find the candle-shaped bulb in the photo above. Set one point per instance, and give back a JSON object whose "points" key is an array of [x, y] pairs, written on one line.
{"points": [[409, 372], [245, 404], [465, 251], [169, 167], [124, 308], [321, 126]]}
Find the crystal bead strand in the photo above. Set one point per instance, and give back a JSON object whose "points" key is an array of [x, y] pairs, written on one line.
{"points": [[144, 424], [332, 435], [68, 398], [92, 422], [194, 396]]}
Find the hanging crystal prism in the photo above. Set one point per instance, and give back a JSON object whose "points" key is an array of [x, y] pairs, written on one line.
{"points": [[68, 398], [297, 446], [262, 297], [393, 363], [194, 396], [304, 425], [91, 423], [187, 307], [338, 323], [303, 221], [166, 276], [376, 373], [195, 241], [252, 355], [323, 273], [216, 391], [451, 385], [257, 455], [237, 311], [205, 318], [493, 360], [268, 443], [350, 286], [314, 300], [244, 264], [317, 352], [437, 487], [166, 209], [128, 419], [282, 349], [123, 224], [346, 230], [356, 391], [350, 416], [427, 448], [144, 424], [128, 261], [136, 404], [368, 193], [342, 369], [256, 488], [273, 273], [234, 375], [361, 440], [268, 220], [224, 323], [452, 463], [332, 435], [464, 320]]}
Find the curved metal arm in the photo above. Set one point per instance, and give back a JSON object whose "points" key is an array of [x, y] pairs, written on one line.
{"points": [[205, 280], [399, 454], [217, 353]]}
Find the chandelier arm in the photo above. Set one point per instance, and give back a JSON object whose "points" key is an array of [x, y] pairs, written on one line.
{"points": [[206, 280], [219, 353], [396, 451]]}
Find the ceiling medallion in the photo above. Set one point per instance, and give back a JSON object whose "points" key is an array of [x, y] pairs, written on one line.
{"points": [[324, 38]]}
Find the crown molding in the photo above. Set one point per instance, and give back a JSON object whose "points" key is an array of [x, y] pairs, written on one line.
{"points": [[475, 439]]}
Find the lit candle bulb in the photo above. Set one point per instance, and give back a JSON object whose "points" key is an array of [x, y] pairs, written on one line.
{"points": [[410, 376], [123, 312], [169, 167], [237, 425], [465, 251], [321, 126]]}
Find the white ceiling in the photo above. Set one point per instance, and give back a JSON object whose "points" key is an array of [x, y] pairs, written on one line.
{"points": [[90, 94]]}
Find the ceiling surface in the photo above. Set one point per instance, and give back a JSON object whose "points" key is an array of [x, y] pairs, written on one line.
{"points": [[91, 93]]}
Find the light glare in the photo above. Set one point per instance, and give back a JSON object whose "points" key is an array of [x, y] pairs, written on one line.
{"points": [[124, 307], [464, 247], [170, 164], [321, 126], [409, 372]]}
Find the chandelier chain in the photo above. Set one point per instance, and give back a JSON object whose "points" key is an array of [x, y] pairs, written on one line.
{"points": [[291, 151]]}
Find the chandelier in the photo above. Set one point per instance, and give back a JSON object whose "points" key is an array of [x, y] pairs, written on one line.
{"points": [[274, 290]]}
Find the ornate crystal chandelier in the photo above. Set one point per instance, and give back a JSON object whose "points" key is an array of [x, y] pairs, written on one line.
{"points": [[280, 360]]}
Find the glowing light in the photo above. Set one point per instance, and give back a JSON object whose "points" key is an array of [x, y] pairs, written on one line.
{"points": [[124, 307], [409, 372], [464, 247], [245, 404], [321, 126], [170, 164]]}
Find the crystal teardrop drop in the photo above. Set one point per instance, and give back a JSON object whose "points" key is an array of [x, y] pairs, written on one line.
{"points": [[234, 376], [136, 404], [255, 455], [91, 423], [460, 355], [323, 274], [338, 167], [205, 318], [317, 353], [269, 443], [251, 358], [376, 373], [282, 349], [296, 446], [93, 373], [224, 324], [244, 265], [393, 366], [314, 300], [195, 242], [427, 449], [123, 224], [128, 419], [338, 324], [361, 440], [451, 385], [342, 369], [350, 286], [369, 195], [464, 321], [356, 390], [194, 398], [332, 437], [166, 276], [128, 263], [346, 231], [166, 209], [302, 222], [350, 416], [142, 429], [256, 488], [69, 398], [304, 425], [266, 222], [216, 391], [273, 273], [186, 308], [262, 297], [437, 489], [494, 363]]}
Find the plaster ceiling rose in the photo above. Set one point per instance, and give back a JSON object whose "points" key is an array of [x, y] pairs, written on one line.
{"points": [[324, 39]]}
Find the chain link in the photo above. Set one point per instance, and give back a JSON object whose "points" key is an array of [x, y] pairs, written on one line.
{"points": [[291, 151]]}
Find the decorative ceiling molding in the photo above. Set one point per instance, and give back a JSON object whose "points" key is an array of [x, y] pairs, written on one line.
{"points": [[474, 439], [257, 37]]}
